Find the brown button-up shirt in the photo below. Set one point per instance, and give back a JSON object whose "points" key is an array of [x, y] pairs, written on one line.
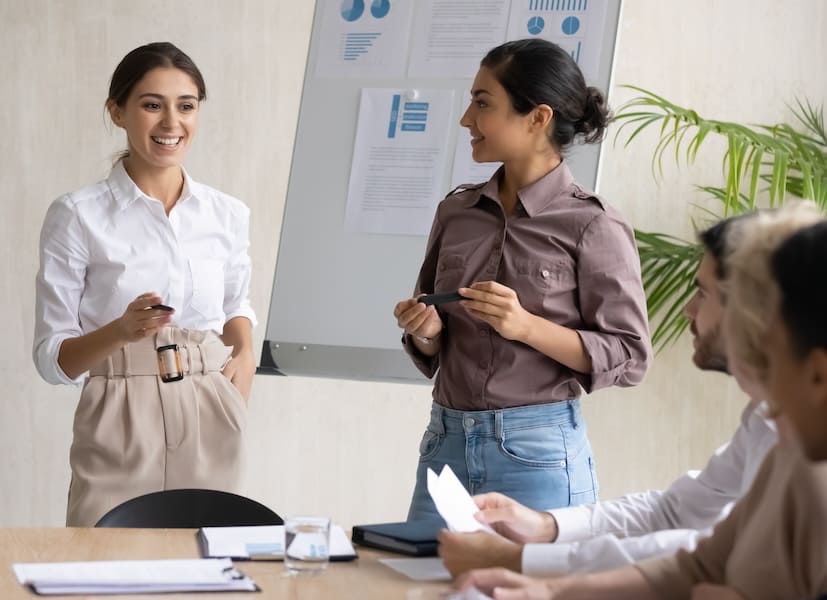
{"points": [[569, 257]]}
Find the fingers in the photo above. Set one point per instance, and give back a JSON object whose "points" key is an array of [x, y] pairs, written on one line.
{"points": [[239, 377], [491, 500], [401, 307], [140, 320], [412, 315], [499, 514], [489, 298], [489, 287], [511, 594], [144, 301], [486, 580]]}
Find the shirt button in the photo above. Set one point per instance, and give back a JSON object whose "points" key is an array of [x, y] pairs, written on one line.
{"points": [[441, 267], [545, 273]]}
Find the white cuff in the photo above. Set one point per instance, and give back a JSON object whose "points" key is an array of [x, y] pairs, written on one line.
{"points": [[47, 364], [573, 523], [546, 560], [244, 311]]}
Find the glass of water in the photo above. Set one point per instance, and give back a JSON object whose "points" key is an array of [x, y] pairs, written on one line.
{"points": [[306, 545]]}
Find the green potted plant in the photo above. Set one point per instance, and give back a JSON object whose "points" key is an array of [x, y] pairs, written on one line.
{"points": [[763, 165]]}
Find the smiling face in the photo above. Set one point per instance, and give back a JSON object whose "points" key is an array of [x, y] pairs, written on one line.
{"points": [[160, 118], [498, 132], [705, 312]]}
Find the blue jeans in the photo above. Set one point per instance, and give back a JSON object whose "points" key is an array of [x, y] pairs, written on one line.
{"points": [[539, 455]]}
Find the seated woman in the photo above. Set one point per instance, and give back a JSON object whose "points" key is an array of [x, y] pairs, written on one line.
{"points": [[772, 544]]}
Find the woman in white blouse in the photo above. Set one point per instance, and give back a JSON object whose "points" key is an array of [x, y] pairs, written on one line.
{"points": [[164, 398]]}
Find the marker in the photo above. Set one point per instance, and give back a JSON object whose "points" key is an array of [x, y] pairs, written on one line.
{"points": [[441, 298]]}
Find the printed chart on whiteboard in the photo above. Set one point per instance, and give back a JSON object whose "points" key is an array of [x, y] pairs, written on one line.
{"points": [[575, 25]]}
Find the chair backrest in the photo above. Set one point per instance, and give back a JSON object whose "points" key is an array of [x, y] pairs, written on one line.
{"points": [[189, 509]]}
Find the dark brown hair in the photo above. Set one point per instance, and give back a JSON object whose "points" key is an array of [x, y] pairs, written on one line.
{"points": [[535, 71], [142, 60]]}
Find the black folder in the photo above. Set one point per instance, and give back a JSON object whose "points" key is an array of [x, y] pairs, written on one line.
{"points": [[414, 538]]}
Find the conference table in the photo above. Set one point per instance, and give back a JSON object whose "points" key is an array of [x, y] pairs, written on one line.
{"points": [[364, 578]]}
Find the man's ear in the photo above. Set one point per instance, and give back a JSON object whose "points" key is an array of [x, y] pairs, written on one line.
{"points": [[114, 112]]}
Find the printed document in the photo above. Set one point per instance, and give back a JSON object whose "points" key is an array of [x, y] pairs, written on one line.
{"points": [[399, 157], [133, 576]]}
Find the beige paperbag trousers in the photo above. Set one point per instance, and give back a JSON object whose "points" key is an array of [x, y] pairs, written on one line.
{"points": [[135, 434]]}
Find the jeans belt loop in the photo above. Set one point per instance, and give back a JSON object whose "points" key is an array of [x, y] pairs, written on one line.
{"points": [[439, 418], [574, 414], [498, 425], [110, 368]]}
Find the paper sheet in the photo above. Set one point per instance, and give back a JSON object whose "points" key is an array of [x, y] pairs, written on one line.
{"points": [[399, 157], [364, 38], [454, 503], [419, 569], [450, 37], [575, 25], [132, 576]]}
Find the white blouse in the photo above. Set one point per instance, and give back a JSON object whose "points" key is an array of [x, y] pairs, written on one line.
{"points": [[106, 244]]}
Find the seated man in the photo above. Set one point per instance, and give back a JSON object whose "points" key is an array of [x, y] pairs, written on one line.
{"points": [[609, 534], [772, 543]]}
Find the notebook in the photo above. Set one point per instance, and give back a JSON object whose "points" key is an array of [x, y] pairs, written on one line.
{"points": [[263, 542], [414, 538]]}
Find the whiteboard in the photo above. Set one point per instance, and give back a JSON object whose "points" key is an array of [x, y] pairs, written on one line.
{"points": [[331, 308]]}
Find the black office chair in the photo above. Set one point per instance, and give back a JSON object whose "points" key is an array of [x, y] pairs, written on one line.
{"points": [[189, 509]]}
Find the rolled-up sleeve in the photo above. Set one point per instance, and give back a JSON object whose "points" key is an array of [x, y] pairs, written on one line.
{"points": [[427, 365], [58, 288], [612, 304], [238, 269]]}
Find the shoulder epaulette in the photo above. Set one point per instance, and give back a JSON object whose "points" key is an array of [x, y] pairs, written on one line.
{"points": [[465, 187]]}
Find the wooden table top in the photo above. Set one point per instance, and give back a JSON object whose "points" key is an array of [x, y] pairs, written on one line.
{"points": [[364, 578]]}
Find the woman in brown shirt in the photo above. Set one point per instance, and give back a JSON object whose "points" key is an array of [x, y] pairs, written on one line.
{"points": [[553, 302]]}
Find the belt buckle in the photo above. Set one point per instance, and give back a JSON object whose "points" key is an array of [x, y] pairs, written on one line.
{"points": [[169, 363]]}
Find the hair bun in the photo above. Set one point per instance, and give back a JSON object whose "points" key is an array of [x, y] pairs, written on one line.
{"points": [[596, 115]]}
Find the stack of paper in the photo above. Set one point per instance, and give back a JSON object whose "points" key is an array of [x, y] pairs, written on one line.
{"points": [[133, 577], [263, 542]]}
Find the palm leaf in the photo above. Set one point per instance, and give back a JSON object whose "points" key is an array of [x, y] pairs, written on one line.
{"points": [[761, 166], [749, 148], [668, 267]]}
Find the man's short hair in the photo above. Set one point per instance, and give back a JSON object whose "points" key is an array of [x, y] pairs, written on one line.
{"points": [[716, 241]]}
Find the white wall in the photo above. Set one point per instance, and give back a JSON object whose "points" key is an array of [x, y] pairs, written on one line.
{"points": [[343, 448]]}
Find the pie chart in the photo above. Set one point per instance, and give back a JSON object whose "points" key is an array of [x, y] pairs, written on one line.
{"points": [[535, 25], [380, 8], [352, 9], [571, 25]]}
